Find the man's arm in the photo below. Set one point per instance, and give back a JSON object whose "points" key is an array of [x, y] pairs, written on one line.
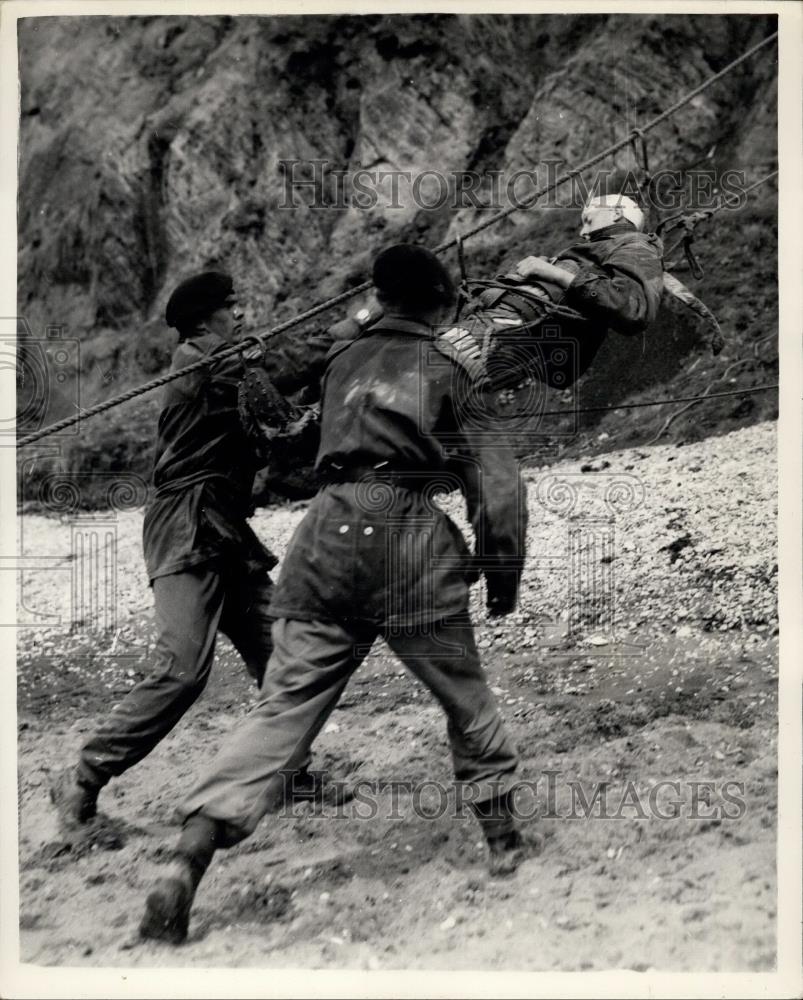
{"points": [[295, 359], [497, 508], [624, 292]]}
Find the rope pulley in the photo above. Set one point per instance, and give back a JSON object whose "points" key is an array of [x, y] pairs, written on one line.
{"points": [[688, 222], [639, 143]]}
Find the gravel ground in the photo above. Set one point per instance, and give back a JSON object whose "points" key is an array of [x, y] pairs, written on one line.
{"points": [[689, 532], [665, 671]]}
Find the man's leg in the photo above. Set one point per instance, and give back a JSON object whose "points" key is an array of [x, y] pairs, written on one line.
{"points": [[443, 655], [188, 608], [309, 668], [247, 621]]}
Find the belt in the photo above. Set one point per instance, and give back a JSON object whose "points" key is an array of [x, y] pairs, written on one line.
{"points": [[403, 478]]}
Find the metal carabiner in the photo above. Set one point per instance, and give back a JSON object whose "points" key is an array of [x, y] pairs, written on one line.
{"points": [[694, 264], [638, 134]]}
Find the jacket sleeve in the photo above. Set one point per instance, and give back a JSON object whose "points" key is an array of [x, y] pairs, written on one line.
{"points": [[623, 292], [497, 509], [296, 359]]}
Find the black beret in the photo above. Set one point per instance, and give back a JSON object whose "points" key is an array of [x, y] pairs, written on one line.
{"points": [[412, 274], [198, 297]]}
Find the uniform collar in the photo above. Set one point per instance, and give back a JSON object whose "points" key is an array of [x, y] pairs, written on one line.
{"points": [[205, 342], [616, 229], [390, 323]]}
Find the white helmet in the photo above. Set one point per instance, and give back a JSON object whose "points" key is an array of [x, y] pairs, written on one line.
{"points": [[628, 209]]}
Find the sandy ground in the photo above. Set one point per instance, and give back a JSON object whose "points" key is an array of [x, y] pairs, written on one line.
{"points": [[669, 676]]}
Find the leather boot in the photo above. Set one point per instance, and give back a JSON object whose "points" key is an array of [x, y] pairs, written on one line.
{"points": [[167, 908], [505, 854], [506, 845], [76, 802]]}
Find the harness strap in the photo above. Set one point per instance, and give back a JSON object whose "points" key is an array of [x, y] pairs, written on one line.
{"points": [[538, 307]]}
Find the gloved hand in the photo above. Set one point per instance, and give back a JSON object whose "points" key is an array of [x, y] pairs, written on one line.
{"points": [[503, 591]]}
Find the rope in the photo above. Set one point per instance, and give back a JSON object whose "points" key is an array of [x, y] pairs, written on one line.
{"points": [[366, 285], [659, 402], [241, 349], [707, 392]]}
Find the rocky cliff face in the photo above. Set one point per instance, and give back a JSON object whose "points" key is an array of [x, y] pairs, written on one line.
{"points": [[154, 146]]}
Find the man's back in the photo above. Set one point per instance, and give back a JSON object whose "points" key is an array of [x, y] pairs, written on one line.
{"points": [[387, 400], [199, 431], [374, 545]]}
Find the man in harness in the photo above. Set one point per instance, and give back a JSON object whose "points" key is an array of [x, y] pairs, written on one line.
{"points": [[207, 568], [375, 557], [612, 279]]}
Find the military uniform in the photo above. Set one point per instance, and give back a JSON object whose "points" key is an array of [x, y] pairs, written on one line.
{"points": [[619, 279], [617, 284], [375, 556], [208, 569]]}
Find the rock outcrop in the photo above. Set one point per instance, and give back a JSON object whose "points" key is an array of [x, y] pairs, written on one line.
{"points": [[154, 146]]}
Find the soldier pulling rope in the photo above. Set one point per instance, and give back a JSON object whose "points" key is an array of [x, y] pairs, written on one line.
{"points": [[350, 293], [220, 423], [210, 573]]}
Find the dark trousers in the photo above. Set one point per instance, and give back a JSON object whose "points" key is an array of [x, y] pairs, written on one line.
{"points": [[308, 671], [190, 609]]}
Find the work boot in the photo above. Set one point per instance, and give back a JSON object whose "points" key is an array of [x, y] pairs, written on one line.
{"points": [[167, 908], [506, 853], [506, 845], [76, 801]]}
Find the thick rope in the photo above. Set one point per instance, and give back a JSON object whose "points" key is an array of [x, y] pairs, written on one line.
{"points": [[684, 409], [610, 150], [210, 360]]}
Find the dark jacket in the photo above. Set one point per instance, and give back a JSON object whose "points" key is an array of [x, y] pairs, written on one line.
{"points": [[620, 278], [398, 418], [204, 465], [617, 284]]}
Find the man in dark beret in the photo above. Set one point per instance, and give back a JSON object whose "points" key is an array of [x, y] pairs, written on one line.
{"points": [[207, 568], [374, 556]]}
